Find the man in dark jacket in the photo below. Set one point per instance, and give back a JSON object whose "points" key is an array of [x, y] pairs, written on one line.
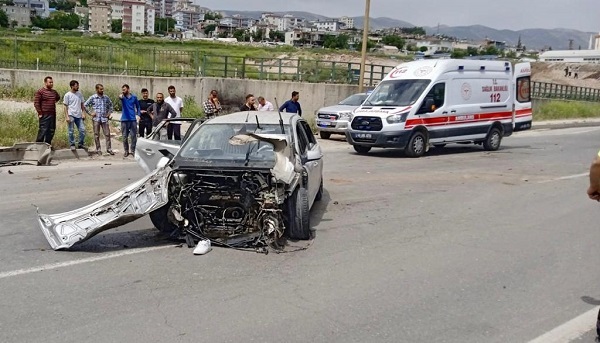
{"points": [[249, 105], [145, 124], [45, 105], [159, 111]]}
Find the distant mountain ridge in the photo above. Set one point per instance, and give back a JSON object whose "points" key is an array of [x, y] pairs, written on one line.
{"points": [[557, 39]]}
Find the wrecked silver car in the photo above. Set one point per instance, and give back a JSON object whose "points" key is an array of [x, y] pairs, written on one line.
{"points": [[240, 180]]}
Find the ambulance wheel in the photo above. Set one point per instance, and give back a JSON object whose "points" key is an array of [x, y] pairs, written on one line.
{"points": [[325, 135], [493, 140], [417, 145], [361, 149]]}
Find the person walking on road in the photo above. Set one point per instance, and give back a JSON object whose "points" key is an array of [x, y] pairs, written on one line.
{"points": [[102, 108], [74, 113], [45, 105], [160, 111], [292, 105], [174, 129], [145, 124], [249, 105], [212, 106], [264, 105], [129, 117]]}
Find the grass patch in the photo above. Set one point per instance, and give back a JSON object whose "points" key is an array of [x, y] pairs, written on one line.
{"points": [[191, 109], [22, 126], [555, 110]]}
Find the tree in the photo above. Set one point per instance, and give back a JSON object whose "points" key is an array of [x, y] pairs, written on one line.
{"points": [[241, 35], [57, 20], [164, 24], [209, 28], [62, 5], [116, 25], [3, 19], [471, 51], [14, 23], [277, 36], [258, 35], [393, 41], [336, 42], [458, 53], [370, 45], [413, 30], [423, 49], [212, 16], [492, 50]]}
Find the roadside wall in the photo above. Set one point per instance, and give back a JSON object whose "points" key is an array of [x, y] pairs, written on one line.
{"points": [[233, 91]]}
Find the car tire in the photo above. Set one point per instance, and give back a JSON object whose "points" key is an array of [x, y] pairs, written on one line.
{"points": [[160, 219], [493, 140], [325, 135], [417, 145], [361, 149], [298, 212], [319, 195]]}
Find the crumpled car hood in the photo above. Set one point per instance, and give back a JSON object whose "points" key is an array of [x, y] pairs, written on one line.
{"points": [[63, 230], [283, 170]]}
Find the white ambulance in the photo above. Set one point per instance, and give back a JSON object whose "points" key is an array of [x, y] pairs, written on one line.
{"points": [[435, 102]]}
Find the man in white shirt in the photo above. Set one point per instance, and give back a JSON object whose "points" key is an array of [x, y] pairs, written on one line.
{"points": [[174, 130], [73, 101], [264, 105]]}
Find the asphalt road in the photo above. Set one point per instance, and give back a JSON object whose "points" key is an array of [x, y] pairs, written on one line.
{"points": [[459, 246]]}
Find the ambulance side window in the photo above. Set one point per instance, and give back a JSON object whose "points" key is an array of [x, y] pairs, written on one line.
{"points": [[523, 89], [437, 94]]}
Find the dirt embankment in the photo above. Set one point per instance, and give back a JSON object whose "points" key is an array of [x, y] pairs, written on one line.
{"points": [[588, 74]]}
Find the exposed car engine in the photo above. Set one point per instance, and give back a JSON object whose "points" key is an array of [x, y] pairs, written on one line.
{"points": [[234, 208]]}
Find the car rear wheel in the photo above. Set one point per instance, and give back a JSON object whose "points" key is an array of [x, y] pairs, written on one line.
{"points": [[417, 145], [325, 135], [160, 219], [298, 215], [493, 140], [361, 149]]}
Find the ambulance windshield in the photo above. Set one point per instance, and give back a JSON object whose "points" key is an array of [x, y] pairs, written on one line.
{"points": [[397, 93]]}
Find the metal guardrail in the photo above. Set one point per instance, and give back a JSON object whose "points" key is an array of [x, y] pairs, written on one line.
{"points": [[81, 58], [544, 90]]}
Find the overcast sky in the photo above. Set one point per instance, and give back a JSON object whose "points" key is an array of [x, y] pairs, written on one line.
{"points": [[502, 14]]}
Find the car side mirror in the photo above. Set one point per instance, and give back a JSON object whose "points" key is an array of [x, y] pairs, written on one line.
{"points": [[313, 155]]}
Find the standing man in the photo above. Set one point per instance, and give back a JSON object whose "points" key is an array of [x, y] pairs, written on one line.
{"points": [[177, 104], [292, 105], [249, 105], [160, 110], [212, 106], [129, 116], [264, 105], [73, 101], [45, 105], [103, 108], [145, 124]]}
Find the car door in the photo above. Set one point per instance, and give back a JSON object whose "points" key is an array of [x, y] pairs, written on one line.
{"points": [[147, 150], [436, 118], [312, 158]]}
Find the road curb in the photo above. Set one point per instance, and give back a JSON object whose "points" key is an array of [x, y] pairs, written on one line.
{"points": [[564, 125], [67, 154]]}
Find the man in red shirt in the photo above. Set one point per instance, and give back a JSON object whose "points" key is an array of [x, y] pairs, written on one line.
{"points": [[45, 105]]}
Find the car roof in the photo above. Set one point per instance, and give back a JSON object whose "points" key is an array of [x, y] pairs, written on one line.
{"points": [[264, 117]]}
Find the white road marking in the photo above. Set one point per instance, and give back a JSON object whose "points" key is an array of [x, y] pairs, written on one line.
{"points": [[555, 132], [568, 177], [81, 261], [570, 330]]}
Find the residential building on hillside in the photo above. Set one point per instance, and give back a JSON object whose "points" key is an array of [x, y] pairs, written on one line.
{"points": [[237, 22], [187, 19], [327, 25], [435, 46], [18, 14], [134, 16], [347, 21], [116, 10], [100, 14], [149, 17], [41, 7]]}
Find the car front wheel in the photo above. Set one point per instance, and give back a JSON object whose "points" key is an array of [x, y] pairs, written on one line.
{"points": [[361, 149], [325, 135], [298, 215], [160, 219]]}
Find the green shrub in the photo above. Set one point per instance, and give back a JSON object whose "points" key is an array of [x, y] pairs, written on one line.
{"points": [[555, 109], [191, 109]]}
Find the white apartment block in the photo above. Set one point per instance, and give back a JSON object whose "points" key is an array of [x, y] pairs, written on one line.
{"points": [[134, 16], [327, 25], [116, 10], [347, 21], [150, 17]]}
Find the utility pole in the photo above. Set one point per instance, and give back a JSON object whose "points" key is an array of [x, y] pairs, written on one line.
{"points": [[361, 79]]}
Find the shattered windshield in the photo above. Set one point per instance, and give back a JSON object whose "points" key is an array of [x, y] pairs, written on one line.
{"points": [[211, 144], [397, 93]]}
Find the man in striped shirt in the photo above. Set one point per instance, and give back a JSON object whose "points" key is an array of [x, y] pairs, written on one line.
{"points": [[103, 108], [45, 105]]}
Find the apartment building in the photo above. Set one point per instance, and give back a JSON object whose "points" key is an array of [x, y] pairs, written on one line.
{"points": [[149, 17], [100, 15], [347, 21], [41, 7], [327, 25], [21, 15], [134, 15], [117, 10]]}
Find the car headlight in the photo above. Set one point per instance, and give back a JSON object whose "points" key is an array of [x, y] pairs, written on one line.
{"points": [[345, 116], [397, 118]]}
